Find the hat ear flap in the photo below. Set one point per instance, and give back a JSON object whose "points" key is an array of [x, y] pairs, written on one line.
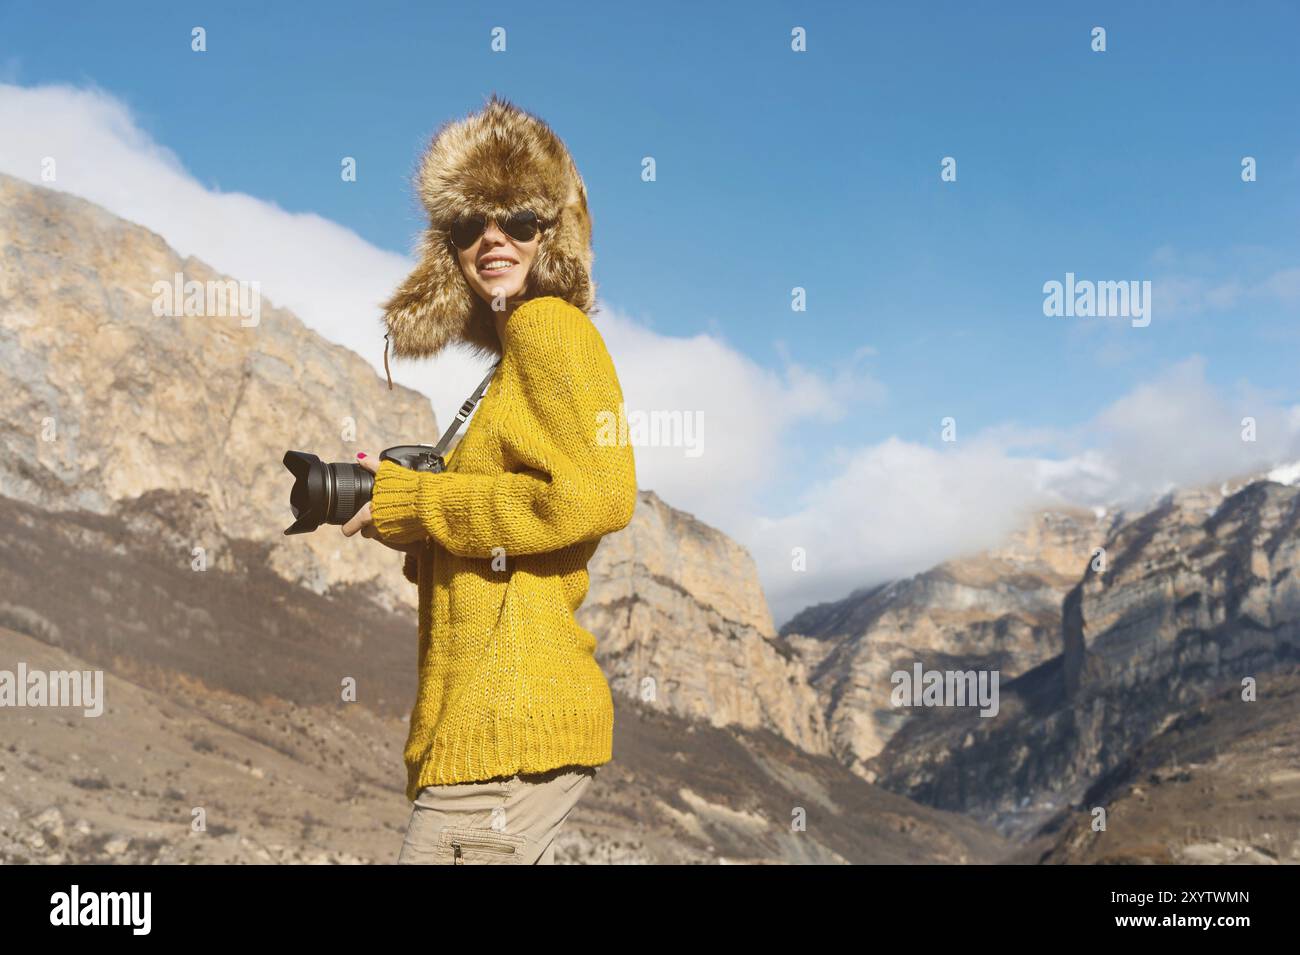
{"points": [[433, 306], [557, 271], [564, 257]]}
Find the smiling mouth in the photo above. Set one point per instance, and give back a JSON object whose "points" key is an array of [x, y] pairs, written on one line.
{"points": [[496, 266]]}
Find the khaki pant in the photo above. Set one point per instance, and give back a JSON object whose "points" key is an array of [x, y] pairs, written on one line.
{"points": [[502, 821]]}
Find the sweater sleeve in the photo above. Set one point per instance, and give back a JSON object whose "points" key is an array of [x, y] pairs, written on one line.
{"points": [[568, 476]]}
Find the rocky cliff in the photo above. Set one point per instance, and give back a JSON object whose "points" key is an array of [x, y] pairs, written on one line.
{"points": [[1000, 609], [1195, 597], [106, 401], [1220, 785], [686, 627]]}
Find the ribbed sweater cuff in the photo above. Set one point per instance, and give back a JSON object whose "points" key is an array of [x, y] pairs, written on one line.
{"points": [[392, 504]]}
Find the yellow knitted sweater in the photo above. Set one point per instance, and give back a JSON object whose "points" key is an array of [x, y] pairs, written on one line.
{"points": [[508, 680]]}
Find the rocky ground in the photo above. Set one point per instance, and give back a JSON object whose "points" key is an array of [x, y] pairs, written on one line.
{"points": [[278, 782]]}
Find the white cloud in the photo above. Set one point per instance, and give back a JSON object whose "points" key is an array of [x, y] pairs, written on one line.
{"points": [[1178, 430], [744, 413], [898, 508], [1180, 295], [894, 509], [1285, 285]]}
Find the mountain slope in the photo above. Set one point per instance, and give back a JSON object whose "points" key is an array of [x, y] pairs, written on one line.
{"points": [[107, 401], [1196, 596], [996, 610], [1219, 785]]}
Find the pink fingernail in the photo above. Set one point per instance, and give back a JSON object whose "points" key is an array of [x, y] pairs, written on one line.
{"points": [[361, 454]]}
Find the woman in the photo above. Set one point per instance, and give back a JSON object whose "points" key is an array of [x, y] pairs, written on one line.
{"points": [[512, 714]]}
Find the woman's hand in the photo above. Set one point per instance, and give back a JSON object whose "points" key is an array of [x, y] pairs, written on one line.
{"points": [[362, 521]]}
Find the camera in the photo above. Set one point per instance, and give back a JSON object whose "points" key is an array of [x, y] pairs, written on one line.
{"points": [[333, 493]]}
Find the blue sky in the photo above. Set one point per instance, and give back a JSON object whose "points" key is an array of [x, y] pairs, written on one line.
{"points": [[818, 170]]}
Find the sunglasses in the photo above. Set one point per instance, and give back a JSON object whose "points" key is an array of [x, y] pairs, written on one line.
{"points": [[522, 226]]}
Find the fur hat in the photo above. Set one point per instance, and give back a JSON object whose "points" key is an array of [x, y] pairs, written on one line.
{"points": [[493, 162]]}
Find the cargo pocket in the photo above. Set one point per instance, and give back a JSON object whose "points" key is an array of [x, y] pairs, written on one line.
{"points": [[468, 845]]}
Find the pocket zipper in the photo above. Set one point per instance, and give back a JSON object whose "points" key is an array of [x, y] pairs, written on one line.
{"points": [[458, 858]]}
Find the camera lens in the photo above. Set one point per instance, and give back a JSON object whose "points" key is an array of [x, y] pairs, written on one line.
{"points": [[325, 493], [350, 487]]}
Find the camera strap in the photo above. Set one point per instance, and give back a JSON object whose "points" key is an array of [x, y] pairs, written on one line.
{"points": [[463, 415]]}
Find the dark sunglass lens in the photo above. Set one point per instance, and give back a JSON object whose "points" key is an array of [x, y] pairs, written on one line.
{"points": [[522, 225], [466, 230]]}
